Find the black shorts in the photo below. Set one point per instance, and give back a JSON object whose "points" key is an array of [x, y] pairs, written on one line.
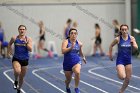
{"points": [[21, 62], [42, 38], [98, 41]]}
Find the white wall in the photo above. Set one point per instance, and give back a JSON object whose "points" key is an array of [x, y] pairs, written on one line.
{"points": [[58, 1], [55, 16]]}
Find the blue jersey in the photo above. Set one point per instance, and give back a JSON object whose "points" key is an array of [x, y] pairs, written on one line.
{"points": [[72, 57], [21, 51], [124, 50], [1, 35], [67, 31], [4, 43]]}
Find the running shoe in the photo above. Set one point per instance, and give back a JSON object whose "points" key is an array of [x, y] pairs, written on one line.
{"points": [[77, 90], [68, 90], [15, 84]]}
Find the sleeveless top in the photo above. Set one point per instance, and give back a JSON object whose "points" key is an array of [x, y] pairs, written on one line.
{"points": [[73, 55], [21, 52], [124, 49]]}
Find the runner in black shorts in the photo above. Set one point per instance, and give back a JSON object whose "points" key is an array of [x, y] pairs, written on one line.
{"points": [[23, 45], [98, 40]]}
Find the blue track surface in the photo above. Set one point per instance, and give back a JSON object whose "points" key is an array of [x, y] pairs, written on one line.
{"points": [[46, 76]]}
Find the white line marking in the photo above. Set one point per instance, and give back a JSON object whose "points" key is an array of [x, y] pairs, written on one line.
{"points": [[45, 79], [61, 71], [5, 73], [99, 75], [136, 76]]}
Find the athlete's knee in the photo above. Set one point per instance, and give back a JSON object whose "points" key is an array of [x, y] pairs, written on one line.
{"points": [[122, 77], [77, 74], [67, 80], [23, 73], [128, 78], [17, 71]]}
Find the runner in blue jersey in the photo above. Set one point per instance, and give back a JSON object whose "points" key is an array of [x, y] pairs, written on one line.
{"points": [[72, 50], [123, 62], [3, 43], [22, 46], [67, 28]]}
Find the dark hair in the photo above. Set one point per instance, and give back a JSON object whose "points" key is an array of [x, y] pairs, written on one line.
{"points": [[69, 20], [70, 31], [22, 26], [123, 25], [121, 28], [116, 22], [97, 25]]}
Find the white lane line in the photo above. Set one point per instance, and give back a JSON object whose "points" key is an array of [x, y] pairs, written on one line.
{"points": [[136, 76], [103, 91], [5, 73], [34, 72], [99, 75]]}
